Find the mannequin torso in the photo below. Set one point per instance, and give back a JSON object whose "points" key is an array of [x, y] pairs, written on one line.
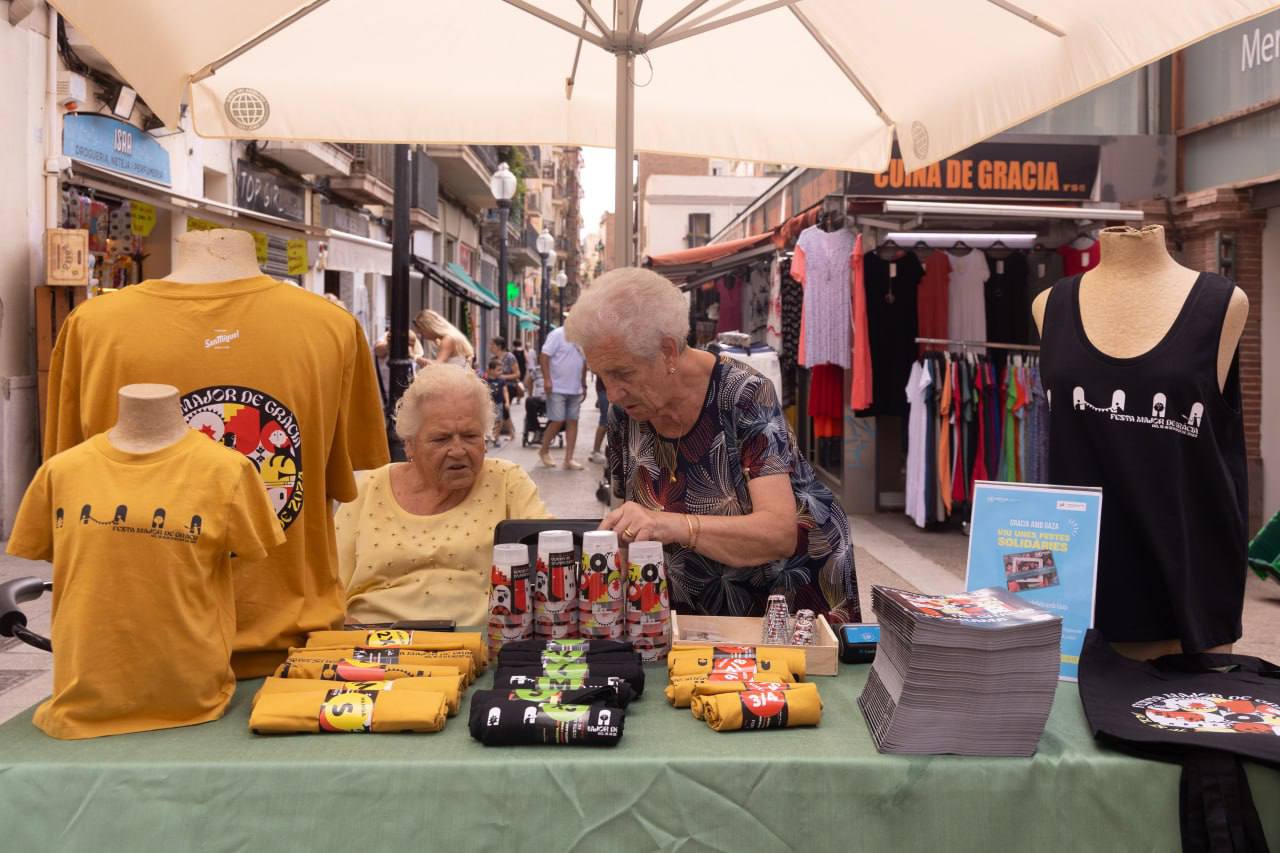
{"points": [[149, 419], [1130, 300], [222, 254], [1128, 304]]}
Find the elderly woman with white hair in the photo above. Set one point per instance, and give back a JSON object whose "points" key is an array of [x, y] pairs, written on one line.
{"points": [[704, 462], [416, 541]]}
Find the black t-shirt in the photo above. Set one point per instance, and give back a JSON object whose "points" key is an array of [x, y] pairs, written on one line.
{"points": [[1007, 303], [892, 323]]}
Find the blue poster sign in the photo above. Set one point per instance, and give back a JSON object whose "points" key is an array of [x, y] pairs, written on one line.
{"points": [[116, 146], [1040, 542]]}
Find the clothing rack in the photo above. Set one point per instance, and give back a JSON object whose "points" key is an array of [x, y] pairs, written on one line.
{"points": [[978, 344]]}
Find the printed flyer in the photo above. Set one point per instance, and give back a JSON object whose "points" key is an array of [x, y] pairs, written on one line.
{"points": [[1040, 542]]}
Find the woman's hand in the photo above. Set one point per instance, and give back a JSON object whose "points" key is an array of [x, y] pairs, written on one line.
{"points": [[634, 522]]}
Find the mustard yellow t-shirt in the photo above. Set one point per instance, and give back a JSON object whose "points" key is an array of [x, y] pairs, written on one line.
{"points": [[277, 373], [397, 565], [143, 600]]}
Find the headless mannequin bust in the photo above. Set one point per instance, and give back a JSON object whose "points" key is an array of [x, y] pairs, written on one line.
{"points": [[223, 254], [1128, 303], [149, 418]]}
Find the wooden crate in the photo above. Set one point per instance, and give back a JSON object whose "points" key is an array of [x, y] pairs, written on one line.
{"points": [[53, 306], [688, 629]]}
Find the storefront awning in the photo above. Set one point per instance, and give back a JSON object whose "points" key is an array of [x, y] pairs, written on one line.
{"points": [[462, 286], [352, 253], [703, 255], [483, 296], [521, 314]]}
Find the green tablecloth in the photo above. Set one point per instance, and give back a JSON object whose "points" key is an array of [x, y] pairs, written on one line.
{"points": [[671, 784]]}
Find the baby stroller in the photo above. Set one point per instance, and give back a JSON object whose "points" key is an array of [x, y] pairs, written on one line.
{"points": [[535, 423], [13, 622]]}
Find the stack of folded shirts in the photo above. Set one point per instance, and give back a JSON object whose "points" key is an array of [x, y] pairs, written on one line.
{"points": [[972, 673], [561, 664], [737, 663], [449, 686], [743, 687], [289, 706]]}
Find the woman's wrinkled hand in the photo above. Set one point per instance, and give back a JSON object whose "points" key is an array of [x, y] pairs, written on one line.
{"points": [[635, 523]]}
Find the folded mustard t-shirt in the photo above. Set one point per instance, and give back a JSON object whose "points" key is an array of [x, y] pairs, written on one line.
{"points": [[394, 638], [692, 660], [338, 710], [460, 659], [329, 669], [703, 692], [681, 688], [448, 685], [762, 709]]}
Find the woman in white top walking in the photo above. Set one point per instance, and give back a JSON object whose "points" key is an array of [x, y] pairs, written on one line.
{"points": [[452, 347]]}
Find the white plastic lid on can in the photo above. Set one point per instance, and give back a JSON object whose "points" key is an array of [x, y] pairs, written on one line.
{"points": [[555, 541], [511, 554], [596, 541], [645, 552]]}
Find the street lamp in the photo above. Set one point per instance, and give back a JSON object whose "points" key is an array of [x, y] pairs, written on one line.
{"points": [[561, 280], [546, 246], [503, 186]]}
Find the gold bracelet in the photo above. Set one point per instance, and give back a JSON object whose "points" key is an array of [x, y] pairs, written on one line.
{"points": [[696, 523], [689, 521]]}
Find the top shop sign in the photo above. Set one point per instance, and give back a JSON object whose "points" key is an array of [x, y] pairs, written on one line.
{"points": [[1006, 170]]}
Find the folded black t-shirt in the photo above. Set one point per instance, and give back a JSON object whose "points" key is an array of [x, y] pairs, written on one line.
{"points": [[507, 722], [620, 692], [589, 647], [565, 674]]}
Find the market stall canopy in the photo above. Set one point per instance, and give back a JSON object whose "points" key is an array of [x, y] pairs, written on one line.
{"points": [[945, 73], [687, 263], [821, 83]]}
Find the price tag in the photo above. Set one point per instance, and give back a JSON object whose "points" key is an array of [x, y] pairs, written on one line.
{"points": [[260, 243], [1000, 267], [1040, 270], [194, 224], [893, 269], [1084, 259], [142, 218]]}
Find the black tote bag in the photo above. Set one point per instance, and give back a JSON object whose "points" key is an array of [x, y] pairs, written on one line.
{"points": [[1207, 712]]}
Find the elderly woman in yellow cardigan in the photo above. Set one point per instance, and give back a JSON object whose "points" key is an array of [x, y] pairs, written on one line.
{"points": [[416, 542]]}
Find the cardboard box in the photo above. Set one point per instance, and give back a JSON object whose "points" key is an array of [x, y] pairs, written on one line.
{"points": [[688, 629]]}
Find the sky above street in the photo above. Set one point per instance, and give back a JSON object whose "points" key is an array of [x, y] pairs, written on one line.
{"points": [[597, 187]]}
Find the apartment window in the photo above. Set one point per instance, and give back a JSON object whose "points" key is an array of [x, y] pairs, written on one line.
{"points": [[699, 230], [531, 202]]}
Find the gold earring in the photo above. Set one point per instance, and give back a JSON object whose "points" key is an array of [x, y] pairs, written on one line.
{"points": [[670, 369]]}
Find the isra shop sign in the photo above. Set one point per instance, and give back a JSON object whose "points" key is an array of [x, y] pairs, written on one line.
{"points": [[1005, 170], [116, 146]]}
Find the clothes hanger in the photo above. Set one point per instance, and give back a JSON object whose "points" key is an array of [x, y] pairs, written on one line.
{"points": [[960, 249]]}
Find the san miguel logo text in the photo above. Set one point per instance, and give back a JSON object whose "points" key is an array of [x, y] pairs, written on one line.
{"points": [[1162, 416], [159, 528], [261, 428]]}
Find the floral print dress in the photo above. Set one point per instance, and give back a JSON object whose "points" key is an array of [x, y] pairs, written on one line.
{"points": [[740, 434]]}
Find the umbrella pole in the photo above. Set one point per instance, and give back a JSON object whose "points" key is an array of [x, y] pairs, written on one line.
{"points": [[625, 145], [399, 364]]}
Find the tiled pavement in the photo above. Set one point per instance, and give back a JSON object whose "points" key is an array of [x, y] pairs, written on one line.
{"points": [[888, 549]]}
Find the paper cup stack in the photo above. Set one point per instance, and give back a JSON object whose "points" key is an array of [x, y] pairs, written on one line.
{"points": [[776, 615], [510, 611], [648, 602], [600, 609], [555, 598], [802, 633]]}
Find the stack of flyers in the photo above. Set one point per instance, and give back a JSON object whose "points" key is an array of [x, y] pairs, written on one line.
{"points": [[600, 609], [973, 673], [510, 611], [555, 597], [648, 604]]}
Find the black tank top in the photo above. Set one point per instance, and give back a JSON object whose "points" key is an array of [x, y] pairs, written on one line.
{"points": [[1167, 448]]}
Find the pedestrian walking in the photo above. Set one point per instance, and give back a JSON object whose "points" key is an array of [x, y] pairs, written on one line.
{"points": [[564, 372]]}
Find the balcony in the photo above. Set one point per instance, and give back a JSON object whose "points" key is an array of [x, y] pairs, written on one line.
{"points": [[465, 171], [372, 175], [323, 159]]}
